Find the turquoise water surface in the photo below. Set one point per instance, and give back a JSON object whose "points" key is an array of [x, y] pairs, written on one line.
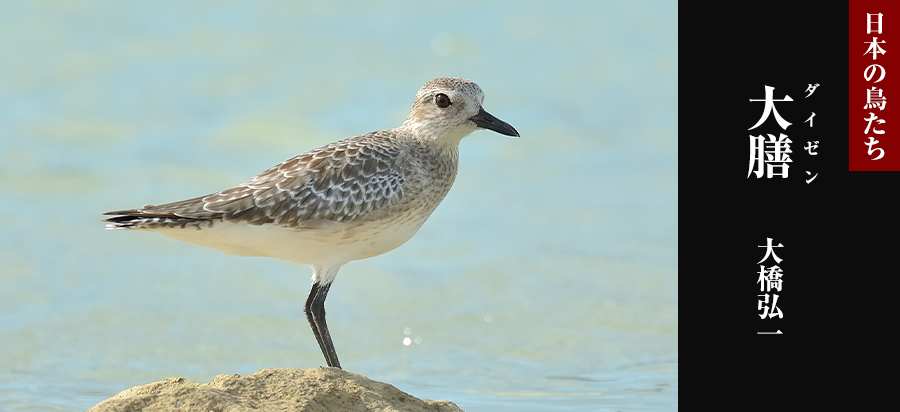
{"points": [[546, 280]]}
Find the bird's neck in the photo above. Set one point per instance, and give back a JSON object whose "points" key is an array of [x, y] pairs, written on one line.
{"points": [[441, 138]]}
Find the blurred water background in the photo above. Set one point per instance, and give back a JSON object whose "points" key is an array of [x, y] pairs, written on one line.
{"points": [[546, 280]]}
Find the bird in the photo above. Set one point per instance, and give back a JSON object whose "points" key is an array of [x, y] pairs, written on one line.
{"points": [[349, 200]]}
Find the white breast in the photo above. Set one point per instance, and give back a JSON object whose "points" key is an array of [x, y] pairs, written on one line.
{"points": [[330, 244]]}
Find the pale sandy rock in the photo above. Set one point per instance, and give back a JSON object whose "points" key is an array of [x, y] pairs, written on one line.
{"points": [[320, 389]]}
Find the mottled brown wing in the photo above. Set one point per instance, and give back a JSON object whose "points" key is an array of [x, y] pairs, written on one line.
{"points": [[339, 182]]}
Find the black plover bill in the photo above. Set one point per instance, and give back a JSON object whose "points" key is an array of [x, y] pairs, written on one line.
{"points": [[352, 199]]}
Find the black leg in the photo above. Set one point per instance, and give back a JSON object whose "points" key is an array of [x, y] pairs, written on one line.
{"points": [[315, 314], [309, 316]]}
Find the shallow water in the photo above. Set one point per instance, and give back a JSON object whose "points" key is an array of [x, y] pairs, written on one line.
{"points": [[546, 280]]}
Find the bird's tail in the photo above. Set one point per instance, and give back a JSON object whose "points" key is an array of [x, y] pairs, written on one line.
{"points": [[139, 219]]}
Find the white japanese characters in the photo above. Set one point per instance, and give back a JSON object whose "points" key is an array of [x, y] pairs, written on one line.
{"points": [[770, 108], [874, 97], [869, 23], [811, 89], [774, 152], [874, 48], [769, 281]]}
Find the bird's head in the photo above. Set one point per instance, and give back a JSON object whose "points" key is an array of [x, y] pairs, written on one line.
{"points": [[449, 108]]}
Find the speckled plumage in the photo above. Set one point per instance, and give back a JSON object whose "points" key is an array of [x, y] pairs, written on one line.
{"points": [[364, 177], [349, 200]]}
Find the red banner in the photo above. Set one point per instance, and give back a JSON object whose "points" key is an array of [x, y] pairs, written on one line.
{"points": [[874, 79]]}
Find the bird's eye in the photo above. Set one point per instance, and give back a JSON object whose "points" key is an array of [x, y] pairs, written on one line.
{"points": [[441, 100]]}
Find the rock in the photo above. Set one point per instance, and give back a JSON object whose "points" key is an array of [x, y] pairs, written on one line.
{"points": [[320, 389]]}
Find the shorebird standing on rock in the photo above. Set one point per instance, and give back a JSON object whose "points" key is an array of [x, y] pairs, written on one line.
{"points": [[352, 199]]}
